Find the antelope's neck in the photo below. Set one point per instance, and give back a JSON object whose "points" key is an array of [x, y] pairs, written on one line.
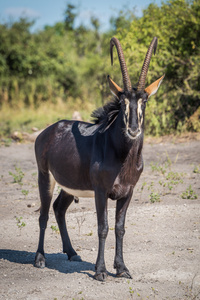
{"points": [[133, 163]]}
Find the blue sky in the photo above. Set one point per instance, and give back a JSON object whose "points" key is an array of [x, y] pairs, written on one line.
{"points": [[48, 12]]}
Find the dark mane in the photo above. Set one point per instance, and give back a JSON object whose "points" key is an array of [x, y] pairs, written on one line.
{"points": [[106, 115]]}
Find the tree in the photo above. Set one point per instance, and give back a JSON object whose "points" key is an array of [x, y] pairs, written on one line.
{"points": [[176, 23], [70, 16]]}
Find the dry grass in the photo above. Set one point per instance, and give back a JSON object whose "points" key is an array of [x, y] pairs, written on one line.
{"points": [[23, 119]]}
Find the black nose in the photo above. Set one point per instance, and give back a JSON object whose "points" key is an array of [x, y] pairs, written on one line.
{"points": [[133, 133], [133, 128]]}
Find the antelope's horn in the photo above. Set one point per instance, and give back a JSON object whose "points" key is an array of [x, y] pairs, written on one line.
{"points": [[141, 82], [126, 80]]}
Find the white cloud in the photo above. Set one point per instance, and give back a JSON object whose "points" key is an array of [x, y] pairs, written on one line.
{"points": [[21, 12]]}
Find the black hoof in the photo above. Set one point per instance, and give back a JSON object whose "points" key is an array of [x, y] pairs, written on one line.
{"points": [[75, 258], [101, 276], [76, 199], [39, 260], [124, 274]]}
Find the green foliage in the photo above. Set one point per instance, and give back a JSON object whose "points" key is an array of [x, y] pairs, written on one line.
{"points": [[68, 64], [55, 229], [25, 192], [131, 291], [176, 23], [172, 180], [70, 16], [18, 176], [154, 197], [20, 223], [175, 176], [189, 194], [169, 179], [90, 233], [157, 167], [196, 169]]}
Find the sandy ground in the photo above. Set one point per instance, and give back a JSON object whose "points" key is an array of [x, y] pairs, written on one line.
{"points": [[161, 245]]}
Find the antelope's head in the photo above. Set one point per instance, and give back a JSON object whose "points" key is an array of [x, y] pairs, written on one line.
{"points": [[133, 100]]}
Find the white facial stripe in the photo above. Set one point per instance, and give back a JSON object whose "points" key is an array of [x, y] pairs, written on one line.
{"points": [[139, 113], [127, 111]]}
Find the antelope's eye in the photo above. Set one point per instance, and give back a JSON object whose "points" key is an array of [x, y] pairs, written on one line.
{"points": [[145, 99]]}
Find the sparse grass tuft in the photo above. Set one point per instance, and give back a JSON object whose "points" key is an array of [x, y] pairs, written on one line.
{"points": [[20, 223], [189, 194], [197, 169], [18, 176], [90, 233], [25, 193], [55, 229], [154, 197]]}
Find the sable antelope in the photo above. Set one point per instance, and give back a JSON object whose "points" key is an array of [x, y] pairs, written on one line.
{"points": [[101, 160]]}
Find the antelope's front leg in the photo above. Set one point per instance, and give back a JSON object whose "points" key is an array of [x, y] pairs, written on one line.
{"points": [[101, 208], [121, 209]]}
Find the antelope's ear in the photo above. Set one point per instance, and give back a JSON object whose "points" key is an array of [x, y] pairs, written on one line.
{"points": [[115, 89], [152, 88]]}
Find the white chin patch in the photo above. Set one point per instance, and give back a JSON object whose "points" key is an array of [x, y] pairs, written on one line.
{"points": [[133, 137]]}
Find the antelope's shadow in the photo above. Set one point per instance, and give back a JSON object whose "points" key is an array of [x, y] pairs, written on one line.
{"points": [[54, 261]]}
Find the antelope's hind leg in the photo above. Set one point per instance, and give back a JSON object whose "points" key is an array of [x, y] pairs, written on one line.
{"points": [[46, 187], [60, 206]]}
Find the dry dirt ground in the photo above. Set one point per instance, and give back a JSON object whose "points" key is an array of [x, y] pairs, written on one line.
{"points": [[161, 245]]}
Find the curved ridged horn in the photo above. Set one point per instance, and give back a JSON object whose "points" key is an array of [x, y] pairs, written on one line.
{"points": [[126, 81], [141, 82]]}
